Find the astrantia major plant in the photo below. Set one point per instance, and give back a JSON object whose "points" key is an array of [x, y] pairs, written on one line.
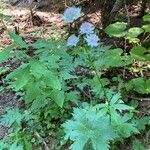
{"points": [[92, 40], [92, 126], [88, 125], [50, 86], [86, 28], [71, 14], [72, 40]]}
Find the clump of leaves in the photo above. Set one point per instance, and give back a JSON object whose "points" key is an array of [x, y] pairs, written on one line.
{"points": [[119, 29], [89, 126], [47, 81], [18, 137], [98, 125], [139, 85], [137, 145]]}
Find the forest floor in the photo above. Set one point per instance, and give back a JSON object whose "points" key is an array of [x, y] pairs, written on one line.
{"points": [[44, 24]]}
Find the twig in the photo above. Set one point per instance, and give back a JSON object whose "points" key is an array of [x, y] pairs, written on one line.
{"points": [[116, 7], [147, 37], [89, 94], [3, 23], [38, 136], [138, 98], [115, 44], [84, 93], [125, 51], [127, 11]]}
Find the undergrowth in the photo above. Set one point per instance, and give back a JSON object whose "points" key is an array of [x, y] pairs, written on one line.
{"points": [[90, 110]]}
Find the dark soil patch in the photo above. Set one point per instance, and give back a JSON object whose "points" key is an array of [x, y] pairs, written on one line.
{"points": [[7, 100]]}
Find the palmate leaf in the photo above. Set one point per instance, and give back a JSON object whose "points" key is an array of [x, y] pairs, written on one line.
{"points": [[51, 60], [21, 76], [140, 85], [124, 128], [41, 45], [137, 145], [11, 116], [6, 17], [52, 80], [115, 103], [112, 58], [72, 96], [96, 87], [37, 68], [58, 97], [3, 145], [18, 40], [66, 75], [140, 53], [89, 125], [32, 91], [16, 146], [5, 53], [38, 103]]}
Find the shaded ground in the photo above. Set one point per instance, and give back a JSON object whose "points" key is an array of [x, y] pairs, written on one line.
{"points": [[47, 24], [7, 100]]}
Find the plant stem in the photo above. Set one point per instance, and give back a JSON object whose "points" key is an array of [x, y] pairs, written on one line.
{"points": [[101, 85]]}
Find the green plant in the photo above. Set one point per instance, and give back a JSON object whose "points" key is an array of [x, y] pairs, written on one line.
{"points": [[93, 126], [137, 145], [18, 137], [119, 29], [85, 126], [41, 81], [46, 77], [89, 126], [139, 85]]}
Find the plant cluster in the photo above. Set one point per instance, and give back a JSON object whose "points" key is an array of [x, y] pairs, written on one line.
{"points": [[51, 89]]}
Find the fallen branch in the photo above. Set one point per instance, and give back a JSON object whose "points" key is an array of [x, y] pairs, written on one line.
{"points": [[139, 98]]}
